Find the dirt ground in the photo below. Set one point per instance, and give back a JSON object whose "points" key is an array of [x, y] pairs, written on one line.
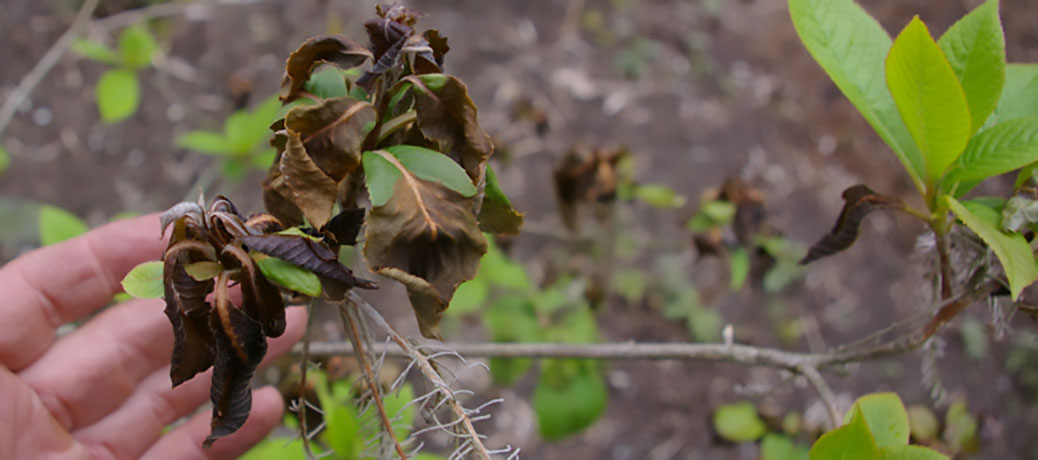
{"points": [[698, 90]]}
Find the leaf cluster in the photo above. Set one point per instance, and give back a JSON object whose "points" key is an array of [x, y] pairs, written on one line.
{"points": [[118, 90]]}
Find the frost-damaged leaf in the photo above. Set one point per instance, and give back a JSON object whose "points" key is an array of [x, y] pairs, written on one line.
{"points": [[423, 235], [585, 178], [345, 226], [333, 49], [496, 214], [859, 201], [448, 116], [240, 347], [260, 299], [1011, 249], [276, 198], [312, 190], [188, 311], [311, 255], [333, 132]]}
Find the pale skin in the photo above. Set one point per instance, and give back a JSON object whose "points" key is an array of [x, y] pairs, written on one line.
{"points": [[103, 391]]}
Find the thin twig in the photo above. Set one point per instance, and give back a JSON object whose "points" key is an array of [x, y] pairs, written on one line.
{"points": [[828, 398], [426, 367], [372, 379], [305, 364], [46, 63]]}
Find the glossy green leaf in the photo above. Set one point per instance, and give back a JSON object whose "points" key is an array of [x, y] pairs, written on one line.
{"points": [[57, 225], [118, 94], [999, 149], [94, 50], [738, 268], [911, 453], [851, 46], [929, 97], [380, 176], [781, 447], [434, 166], [136, 47], [1020, 93], [327, 83], [886, 417], [852, 441], [975, 46], [739, 422], [289, 275], [569, 397], [1011, 249], [206, 142], [145, 281]]}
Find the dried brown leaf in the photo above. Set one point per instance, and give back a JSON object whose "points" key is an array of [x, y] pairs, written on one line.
{"points": [[447, 115], [333, 132], [260, 299], [585, 178], [859, 201], [333, 49], [188, 312], [311, 189], [309, 254]]}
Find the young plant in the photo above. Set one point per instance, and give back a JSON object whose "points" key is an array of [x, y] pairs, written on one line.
{"points": [[242, 144], [118, 90], [952, 110]]}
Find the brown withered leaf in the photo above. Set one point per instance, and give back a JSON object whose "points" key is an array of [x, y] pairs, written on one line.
{"points": [[859, 201], [585, 178], [261, 301], [240, 347], [426, 237], [750, 216], [332, 49], [496, 214], [447, 115], [385, 33], [309, 254], [333, 132], [345, 226], [311, 189], [188, 312], [276, 199], [438, 43]]}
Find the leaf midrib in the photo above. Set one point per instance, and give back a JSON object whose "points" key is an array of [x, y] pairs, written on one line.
{"points": [[412, 185]]}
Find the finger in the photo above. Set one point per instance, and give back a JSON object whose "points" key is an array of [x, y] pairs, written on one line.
{"points": [[185, 442], [58, 284], [135, 426], [89, 373]]}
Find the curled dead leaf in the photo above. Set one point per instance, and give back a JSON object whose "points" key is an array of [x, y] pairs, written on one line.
{"points": [[333, 49], [311, 189], [332, 133], [447, 115], [859, 201]]}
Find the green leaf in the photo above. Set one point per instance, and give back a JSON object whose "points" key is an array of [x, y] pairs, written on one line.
{"points": [[780, 447], [511, 319], [238, 132], [852, 441], [145, 281], [1004, 147], [204, 270], [5, 160], [497, 215], [469, 296], [1020, 93], [57, 225], [94, 50], [501, 271], [342, 433], [960, 427], [118, 93], [976, 49], [380, 176], [929, 97], [659, 196], [911, 453], [713, 213], [631, 283], [739, 422], [434, 166], [886, 417], [1012, 249], [288, 275], [204, 142], [923, 423], [569, 397], [136, 47], [738, 267], [275, 447], [327, 83], [851, 46]]}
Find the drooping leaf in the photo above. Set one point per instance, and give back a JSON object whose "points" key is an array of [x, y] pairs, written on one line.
{"points": [[569, 397], [1020, 93], [261, 301], [312, 190], [144, 281], [94, 50], [739, 422], [57, 225], [118, 93], [1012, 249], [976, 49], [852, 441], [136, 47], [345, 226], [858, 202], [240, 346], [312, 255], [333, 132], [448, 116], [780, 447], [496, 214], [327, 83], [999, 149], [886, 416], [425, 236], [852, 47], [332, 49], [929, 97], [277, 198], [911, 453], [585, 178], [188, 311]]}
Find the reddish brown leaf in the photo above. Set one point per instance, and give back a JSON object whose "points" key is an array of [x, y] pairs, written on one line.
{"points": [[333, 132], [345, 226], [309, 254], [261, 301], [448, 116], [859, 201], [585, 178], [311, 189], [332, 49], [188, 312]]}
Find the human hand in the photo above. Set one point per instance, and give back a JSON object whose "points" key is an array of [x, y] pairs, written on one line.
{"points": [[103, 391]]}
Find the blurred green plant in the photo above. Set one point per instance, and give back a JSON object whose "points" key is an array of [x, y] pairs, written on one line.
{"points": [[243, 142], [118, 90], [57, 225]]}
